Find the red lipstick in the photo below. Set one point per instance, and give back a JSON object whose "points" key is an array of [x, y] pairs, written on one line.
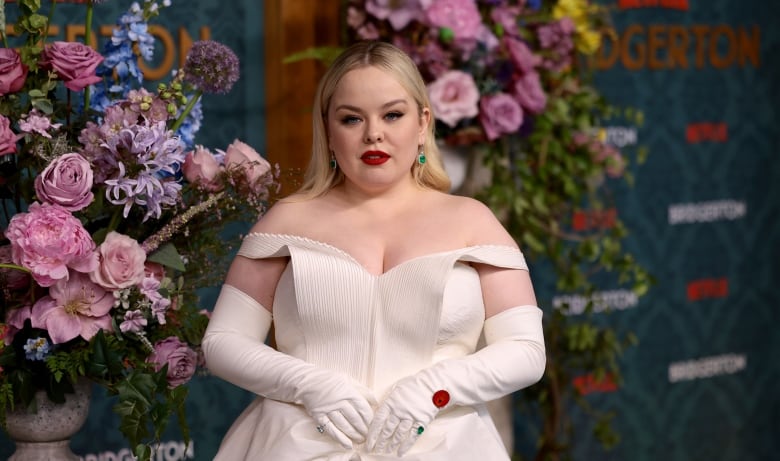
{"points": [[374, 157]]}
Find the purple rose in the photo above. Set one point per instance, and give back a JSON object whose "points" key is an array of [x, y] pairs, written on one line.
{"points": [[181, 360], [121, 262], [67, 182], [7, 137], [530, 94], [521, 55], [460, 16], [12, 71], [454, 96], [500, 114], [74, 62], [48, 240]]}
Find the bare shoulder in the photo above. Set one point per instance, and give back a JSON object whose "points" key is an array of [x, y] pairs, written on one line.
{"points": [[477, 219], [285, 216]]}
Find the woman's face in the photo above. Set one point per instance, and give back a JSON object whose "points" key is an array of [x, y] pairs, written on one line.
{"points": [[374, 129]]}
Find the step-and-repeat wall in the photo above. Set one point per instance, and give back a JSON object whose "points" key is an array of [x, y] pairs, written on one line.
{"points": [[704, 216], [702, 384]]}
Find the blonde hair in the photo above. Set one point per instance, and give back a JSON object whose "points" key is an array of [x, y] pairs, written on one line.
{"points": [[320, 176]]}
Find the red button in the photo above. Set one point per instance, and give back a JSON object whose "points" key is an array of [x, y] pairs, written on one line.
{"points": [[441, 398]]}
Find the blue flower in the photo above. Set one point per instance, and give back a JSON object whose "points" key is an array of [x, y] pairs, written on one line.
{"points": [[37, 348]]}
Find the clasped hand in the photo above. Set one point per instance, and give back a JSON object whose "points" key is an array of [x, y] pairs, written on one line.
{"points": [[393, 428]]}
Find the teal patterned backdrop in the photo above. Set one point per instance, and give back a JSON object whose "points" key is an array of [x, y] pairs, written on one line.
{"points": [[702, 384]]}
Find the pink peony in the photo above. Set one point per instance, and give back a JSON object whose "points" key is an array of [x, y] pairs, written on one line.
{"points": [[121, 262], [74, 307], [460, 16], [181, 360], [454, 97], [201, 167], [253, 165], [48, 240], [530, 94], [12, 71], [67, 182], [7, 137], [74, 62], [500, 114]]}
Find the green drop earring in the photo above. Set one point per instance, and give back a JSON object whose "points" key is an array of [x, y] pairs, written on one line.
{"points": [[333, 163], [421, 158]]}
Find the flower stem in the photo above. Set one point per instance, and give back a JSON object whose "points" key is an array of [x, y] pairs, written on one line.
{"points": [[187, 110], [14, 267], [87, 39]]}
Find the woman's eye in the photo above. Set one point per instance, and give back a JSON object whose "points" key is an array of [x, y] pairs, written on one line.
{"points": [[350, 119], [394, 115]]}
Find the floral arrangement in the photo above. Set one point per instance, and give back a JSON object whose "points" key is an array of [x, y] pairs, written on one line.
{"points": [[111, 215]]}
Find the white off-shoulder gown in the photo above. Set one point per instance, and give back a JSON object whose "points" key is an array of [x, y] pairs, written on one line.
{"points": [[330, 311]]}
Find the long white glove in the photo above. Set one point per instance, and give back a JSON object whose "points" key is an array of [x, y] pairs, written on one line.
{"points": [[235, 350], [513, 358]]}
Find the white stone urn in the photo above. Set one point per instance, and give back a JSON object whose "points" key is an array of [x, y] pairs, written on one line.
{"points": [[45, 435]]}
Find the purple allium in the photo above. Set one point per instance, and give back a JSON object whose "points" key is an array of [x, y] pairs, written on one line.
{"points": [[211, 67]]}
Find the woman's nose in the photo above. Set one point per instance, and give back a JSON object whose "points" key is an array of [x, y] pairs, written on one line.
{"points": [[373, 136]]}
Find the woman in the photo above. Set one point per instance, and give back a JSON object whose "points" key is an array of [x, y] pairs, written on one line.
{"points": [[379, 284]]}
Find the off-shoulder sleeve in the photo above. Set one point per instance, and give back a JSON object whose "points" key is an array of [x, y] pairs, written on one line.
{"points": [[495, 255], [259, 245]]}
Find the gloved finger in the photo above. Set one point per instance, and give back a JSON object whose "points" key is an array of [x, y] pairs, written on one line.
{"points": [[402, 432], [383, 440], [376, 426], [413, 434], [359, 414], [331, 430], [345, 426]]}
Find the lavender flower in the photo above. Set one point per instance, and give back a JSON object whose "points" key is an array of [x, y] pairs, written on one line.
{"points": [[146, 157], [134, 322], [211, 67]]}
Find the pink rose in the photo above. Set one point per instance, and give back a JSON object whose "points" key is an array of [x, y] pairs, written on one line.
{"points": [[56, 313], [7, 137], [500, 114], [253, 165], [48, 240], [181, 360], [454, 97], [201, 167], [12, 71], [460, 16], [530, 94], [67, 182], [121, 262], [74, 62]]}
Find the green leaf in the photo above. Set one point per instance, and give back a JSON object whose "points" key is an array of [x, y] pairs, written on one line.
{"points": [[167, 256], [105, 362], [326, 54]]}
